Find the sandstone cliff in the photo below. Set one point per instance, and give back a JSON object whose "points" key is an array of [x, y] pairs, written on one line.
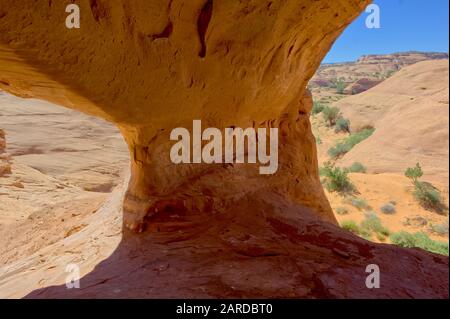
{"points": [[228, 63], [150, 66], [360, 86], [371, 69]]}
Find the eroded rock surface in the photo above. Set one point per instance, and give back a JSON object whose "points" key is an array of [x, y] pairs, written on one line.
{"points": [[151, 66], [5, 165], [360, 86]]}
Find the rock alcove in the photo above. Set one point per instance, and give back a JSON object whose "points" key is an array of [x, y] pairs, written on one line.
{"points": [[151, 65]]}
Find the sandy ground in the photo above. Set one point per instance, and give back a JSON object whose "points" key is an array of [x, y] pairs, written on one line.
{"points": [[423, 142], [378, 190], [64, 165]]}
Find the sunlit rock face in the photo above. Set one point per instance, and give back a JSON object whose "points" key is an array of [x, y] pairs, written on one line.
{"points": [[151, 66]]}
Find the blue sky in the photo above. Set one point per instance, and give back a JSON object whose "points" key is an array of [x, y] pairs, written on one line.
{"points": [[418, 25]]}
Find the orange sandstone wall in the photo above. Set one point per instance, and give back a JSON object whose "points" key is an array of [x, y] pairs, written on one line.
{"points": [[152, 65]]}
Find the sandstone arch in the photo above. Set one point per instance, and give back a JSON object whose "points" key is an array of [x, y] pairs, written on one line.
{"points": [[151, 65]]}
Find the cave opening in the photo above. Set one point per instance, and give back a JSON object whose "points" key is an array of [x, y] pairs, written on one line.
{"points": [[191, 231]]}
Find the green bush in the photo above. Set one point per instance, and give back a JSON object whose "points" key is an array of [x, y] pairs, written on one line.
{"points": [[381, 237], [388, 209], [360, 136], [351, 226], [414, 173], [330, 115], [341, 211], [441, 229], [317, 108], [403, 239], [342, 125], [389, 73], [336, 179], [346, 145], [369, 226], [428, 196], [373, 223], [419, 240], [340, 85], [357, 167], [359, 203], [318, 140], [339, 150]]}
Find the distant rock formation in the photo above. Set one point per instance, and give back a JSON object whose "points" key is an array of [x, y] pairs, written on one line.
{"points": [[368, 68], [360, 86], [401, 58]]}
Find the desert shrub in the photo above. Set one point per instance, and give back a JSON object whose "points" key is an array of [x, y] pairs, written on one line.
{"points": [[416, 221], [389, 73], [403, 239], [388, 209], [359, 203], [342, 125], [340, 85], [414, 173], [341, 211], [441, 229], [351, 226], [419, 240], [339, 150], [317, 108], [381, 237], [357, 167], [330, 115], [318, 140], [336, 179], [346, 145], [373, 223], [354, 228], [360, 136], [428, 197]]}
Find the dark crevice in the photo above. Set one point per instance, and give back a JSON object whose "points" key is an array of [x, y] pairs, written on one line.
{"points": [[95, 9], [99, 11], [165, 33], [202, 25]]}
